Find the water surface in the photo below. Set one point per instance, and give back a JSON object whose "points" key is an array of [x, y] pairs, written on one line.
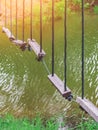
{"points": [[24, 86]]}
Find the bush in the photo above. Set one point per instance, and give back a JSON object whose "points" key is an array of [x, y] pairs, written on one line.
{"points": [[89, 125], [10, 123], [96, 9]]}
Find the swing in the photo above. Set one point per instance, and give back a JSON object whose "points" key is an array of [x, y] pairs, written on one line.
{"points": [[32, 43], [59, 84], [21, 43], [8, 33], [36, 48], [88, 106], [6, 30], [55, 80]]}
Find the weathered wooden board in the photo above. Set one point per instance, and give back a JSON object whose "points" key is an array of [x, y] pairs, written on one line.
{"points": [[19, 42], [8, 33], [36, 47], [22, 44], [59, 84], [89, 107]]}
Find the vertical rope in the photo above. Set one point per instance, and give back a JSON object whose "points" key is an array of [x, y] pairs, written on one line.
{"points": [[52, 37], [11, 16], [23, 21], [31, 22], [40, 25], [65, 45], [82, 49], [16, 19], [5, 13]]}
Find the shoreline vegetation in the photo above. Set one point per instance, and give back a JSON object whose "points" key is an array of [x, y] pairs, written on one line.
{"points": [[11, 123], [73, 6]]}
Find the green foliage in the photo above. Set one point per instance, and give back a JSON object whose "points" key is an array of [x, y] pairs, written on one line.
{"points": [[87, 5], [59, 9], [96, 9], [76, 1], [59, 6], [11, 123], [88, 125], [51, 125]]}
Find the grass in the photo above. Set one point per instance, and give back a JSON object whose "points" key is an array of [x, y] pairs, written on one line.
{"points": [[10, 123], [87, 125], [96, 9]]}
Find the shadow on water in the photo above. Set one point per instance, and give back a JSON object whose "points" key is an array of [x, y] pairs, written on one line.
{"points": [[24, 87]]}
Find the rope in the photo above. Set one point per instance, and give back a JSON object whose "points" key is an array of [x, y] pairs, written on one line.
{"points": [[5, 13], [31, 22], [16, 19], [45, 65], [40, 25], [65, 46], [11, 16], [82, 49], [23, 20], [52, 37]]}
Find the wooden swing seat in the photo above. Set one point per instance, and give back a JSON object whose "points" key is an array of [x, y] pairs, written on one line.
{"points": [[22, 44], [19, 42], [88, 107], [8, 33], [36, 48], [59, 84]]}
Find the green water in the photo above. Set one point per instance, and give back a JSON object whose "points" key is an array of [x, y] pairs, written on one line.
{"points": [[24, 87]]}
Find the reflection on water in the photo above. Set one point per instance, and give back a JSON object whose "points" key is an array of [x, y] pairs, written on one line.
{"points": [[24, 87], [92, 74]]}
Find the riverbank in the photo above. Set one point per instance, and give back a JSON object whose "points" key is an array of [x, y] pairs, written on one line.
{"points": [[10, 123]]}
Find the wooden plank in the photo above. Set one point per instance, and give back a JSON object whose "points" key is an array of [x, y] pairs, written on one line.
{"points": [[59, 84], [36, 48], [22, 44], [8, 33], [19, 42], [88, 107]]}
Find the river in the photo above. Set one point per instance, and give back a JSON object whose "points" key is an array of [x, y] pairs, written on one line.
{"points": [[24, 87]]}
